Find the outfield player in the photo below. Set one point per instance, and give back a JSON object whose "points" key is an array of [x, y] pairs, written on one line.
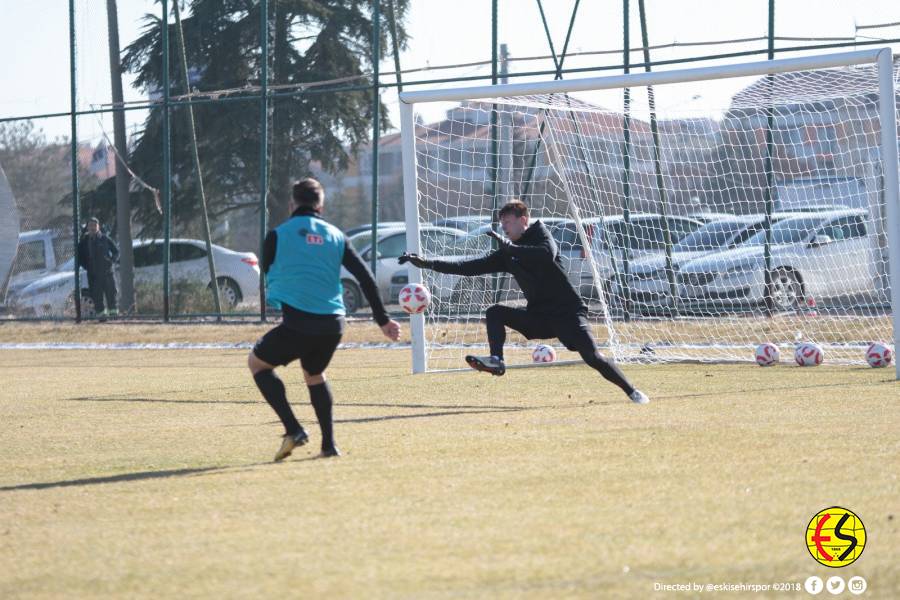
{"points": [[302, 261], [554, 309]]}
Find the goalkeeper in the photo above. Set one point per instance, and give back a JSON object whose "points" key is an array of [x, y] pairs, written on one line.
{"points": [[554, 309]]}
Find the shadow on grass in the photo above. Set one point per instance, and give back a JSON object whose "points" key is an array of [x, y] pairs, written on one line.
{"points": [[157, 400], [443, 413], [772, 388], [449, 408], [140, 476]]}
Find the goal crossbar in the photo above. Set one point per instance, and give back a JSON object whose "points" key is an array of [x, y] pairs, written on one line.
{"points": [[560, 86]]}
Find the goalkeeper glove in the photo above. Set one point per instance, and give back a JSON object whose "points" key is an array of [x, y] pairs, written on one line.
{"points": [[415, 260]]}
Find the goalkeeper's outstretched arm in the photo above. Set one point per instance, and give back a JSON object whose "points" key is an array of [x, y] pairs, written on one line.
{"points": [[492, 263]]}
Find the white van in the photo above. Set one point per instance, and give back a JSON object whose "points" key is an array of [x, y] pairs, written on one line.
{"points": [[39, 252]]}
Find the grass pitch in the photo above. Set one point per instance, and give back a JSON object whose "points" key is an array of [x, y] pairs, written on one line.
{"points": [[148, 474]]}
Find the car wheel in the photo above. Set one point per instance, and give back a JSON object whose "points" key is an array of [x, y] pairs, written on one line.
{"points": [[352, 296], [87, 306], [787, 291], [229, 292]]}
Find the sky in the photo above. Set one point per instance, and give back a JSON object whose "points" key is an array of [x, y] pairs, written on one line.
{"points": [[34, 41]]}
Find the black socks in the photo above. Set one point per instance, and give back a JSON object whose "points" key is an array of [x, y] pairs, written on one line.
{"points": [[608, 369], [273, 391], [320, 396]]}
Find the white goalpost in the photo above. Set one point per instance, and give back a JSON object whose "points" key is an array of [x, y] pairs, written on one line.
{"points": [[694, 229]]}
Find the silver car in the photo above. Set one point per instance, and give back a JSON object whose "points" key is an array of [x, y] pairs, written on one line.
{"points": [[237, 273], [827, 256], [648, 280], [391, 244], [610, 245]]}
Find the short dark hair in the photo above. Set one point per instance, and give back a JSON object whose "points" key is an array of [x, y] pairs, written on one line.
{"points": [[308, 193], [514, 207]]}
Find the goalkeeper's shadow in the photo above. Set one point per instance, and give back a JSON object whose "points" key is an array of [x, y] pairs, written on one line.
{"points": [[431, 415]]}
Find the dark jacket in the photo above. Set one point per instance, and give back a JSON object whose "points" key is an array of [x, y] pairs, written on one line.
{"points": [[97, 253], [534, 262]]}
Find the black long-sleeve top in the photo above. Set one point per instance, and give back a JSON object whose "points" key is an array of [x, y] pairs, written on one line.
{"points": [[535, 263]]}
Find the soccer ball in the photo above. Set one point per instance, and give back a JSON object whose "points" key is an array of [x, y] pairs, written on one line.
{"points": [[543, 354], [808, 354], [766, 354], [414, 298], [879, 355]]}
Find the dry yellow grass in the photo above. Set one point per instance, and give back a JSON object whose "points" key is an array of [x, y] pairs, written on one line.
{"points": [[147, 474]]}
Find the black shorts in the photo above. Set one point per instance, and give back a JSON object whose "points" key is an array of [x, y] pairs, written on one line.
{"points": [[573, 330], [281, 346]]}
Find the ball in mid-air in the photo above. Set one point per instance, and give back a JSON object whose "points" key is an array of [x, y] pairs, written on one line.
{"points": [[414, 298]]}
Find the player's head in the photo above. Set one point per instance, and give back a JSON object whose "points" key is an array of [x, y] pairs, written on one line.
{"points": [[308, 193], [514, 219], [93, 225]]}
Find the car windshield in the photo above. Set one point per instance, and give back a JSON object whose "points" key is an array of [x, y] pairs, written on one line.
{"points": [[566, 234], [361, 240], [710, 237], [475, 242], [789, 231]]}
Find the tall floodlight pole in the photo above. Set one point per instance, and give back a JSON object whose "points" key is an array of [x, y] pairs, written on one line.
{"points": [[376, 126], [263, 143], [123, 199], [76, 205]]}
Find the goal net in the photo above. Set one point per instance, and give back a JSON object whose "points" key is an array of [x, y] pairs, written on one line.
{"points": [[698, 212]]}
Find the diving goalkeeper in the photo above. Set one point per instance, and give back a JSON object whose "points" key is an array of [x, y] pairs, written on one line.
{"points": [[554, 309]]}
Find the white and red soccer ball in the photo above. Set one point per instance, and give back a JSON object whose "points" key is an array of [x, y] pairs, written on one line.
{"points": [[808, 354], [766, 354], [414, 298], [543, 354], [879, 355]]}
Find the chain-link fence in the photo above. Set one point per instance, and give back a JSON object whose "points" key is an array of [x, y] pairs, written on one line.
{"points": [[184, 123]]}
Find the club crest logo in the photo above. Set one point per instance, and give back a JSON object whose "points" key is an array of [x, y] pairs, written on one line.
{"points": [[835, 537]]}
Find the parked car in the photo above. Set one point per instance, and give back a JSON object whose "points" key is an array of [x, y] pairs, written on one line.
{"points": [[391, 244], [647, 277], [467, 223], [368, 227], [38, 254], [609, 245], [237, 273], [824, 255], [478, 242], [361, 241]]}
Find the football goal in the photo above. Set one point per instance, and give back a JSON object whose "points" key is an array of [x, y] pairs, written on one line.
{"points": [[699, 212]]}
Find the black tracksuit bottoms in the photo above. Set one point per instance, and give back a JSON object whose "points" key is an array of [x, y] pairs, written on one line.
{"points": [[574, 331]]}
